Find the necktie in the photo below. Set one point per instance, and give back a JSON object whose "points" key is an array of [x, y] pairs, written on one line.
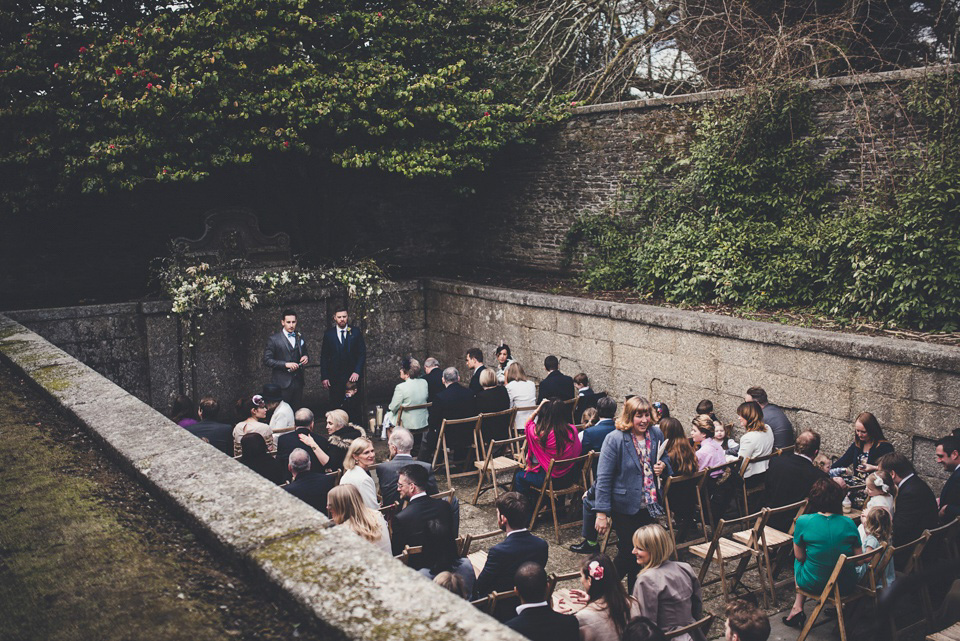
{"points": [[343, 336]]}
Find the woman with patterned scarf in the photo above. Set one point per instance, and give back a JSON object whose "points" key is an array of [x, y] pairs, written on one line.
{"points": [[626, 487]]}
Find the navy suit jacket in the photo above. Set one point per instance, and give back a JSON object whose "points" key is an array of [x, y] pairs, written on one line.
{"points": [[789, 479], [410, 523], [950, 497], [505, 558], [290, 441], [544, 624], [434, 383], [219, 435], [311, 488], [339, 360], [593, 439], [388, 473], [556, 385], [916, 511]]}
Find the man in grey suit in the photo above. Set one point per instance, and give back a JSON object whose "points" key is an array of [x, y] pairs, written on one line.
{"points": [[772, 416], [286, 354]]}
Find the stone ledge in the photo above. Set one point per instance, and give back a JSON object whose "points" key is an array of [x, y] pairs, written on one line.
{"points": [[80, 311], [888, 350], [348, 584]]}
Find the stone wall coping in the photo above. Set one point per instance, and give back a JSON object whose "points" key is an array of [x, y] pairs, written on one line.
{"points": [[707, 96], [353, 588], [890, 350], [77, 311]]}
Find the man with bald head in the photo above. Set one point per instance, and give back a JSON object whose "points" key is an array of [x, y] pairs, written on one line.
{"points": [[790, 477], [308, 486]]}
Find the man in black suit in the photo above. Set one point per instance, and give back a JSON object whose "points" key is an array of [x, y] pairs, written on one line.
{"points": [[310, 487], [434, 377], [556, 384], [219, 435], [454, 402], [587, 397], [342, 357], [948, 456], [286, 354], [535, 619], [287, 443], [475, 364], [790, 477], [400, 444], [916, 507], [410, 523], [519, 547]]}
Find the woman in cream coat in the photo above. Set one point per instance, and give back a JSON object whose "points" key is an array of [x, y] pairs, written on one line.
{"points": [[412, 390]]}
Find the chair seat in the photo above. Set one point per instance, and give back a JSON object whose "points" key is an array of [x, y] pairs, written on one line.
{"points": [[728, 549], [499, 463], [950, 634], [773, 536]]}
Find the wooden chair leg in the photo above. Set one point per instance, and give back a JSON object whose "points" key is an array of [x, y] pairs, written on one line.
{"points": [[840, 622], [813, 617], [769, 570], [446, 465], [536, 510], [723, 579], [553, 509], [481, 476]]}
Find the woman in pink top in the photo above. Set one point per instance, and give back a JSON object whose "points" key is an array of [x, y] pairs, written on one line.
{"points": [[550, 437], [709, 451]]}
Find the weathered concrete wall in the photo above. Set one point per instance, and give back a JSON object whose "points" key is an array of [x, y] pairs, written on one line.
{"points": [[347, 583], [821, 379], [142, 347]]}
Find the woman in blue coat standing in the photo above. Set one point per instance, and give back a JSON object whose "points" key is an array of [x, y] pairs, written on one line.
{"points": [[626, 487]]}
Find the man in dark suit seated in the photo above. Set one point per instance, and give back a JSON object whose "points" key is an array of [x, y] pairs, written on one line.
{"points": [[454, 402], [410, 523], [556, 384], [915, 509], [287, 443], [536, 619], [503, 559], [476, 367], [219, 435], [434, 377], [790, 477], [400, 445], [948, 456], [310, 487]]}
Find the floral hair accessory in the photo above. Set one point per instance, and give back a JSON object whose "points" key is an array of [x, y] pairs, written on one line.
{"points": [[258, 400], [595, 570]]}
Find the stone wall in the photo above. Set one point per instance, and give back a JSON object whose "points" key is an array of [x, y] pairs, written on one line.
{"points": [[821, 379], [142, 347]]}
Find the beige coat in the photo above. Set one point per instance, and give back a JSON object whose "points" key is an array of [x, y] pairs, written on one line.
{"points": [[595, 622]]}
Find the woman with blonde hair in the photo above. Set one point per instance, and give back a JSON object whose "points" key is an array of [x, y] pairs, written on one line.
{"points": [[340, 434], [360, 458], [668, 591], [757, 441], [346, 506], [626, 486], [522, 393], [252, 412]]}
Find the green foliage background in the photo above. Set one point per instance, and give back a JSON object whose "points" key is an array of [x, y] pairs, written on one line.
{"points": [[747, 216]]}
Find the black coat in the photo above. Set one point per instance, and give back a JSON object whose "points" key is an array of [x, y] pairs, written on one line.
{"points": [[410, 523], [556, 385], [456, 401], [504, 558], [475, 385], [495, 399], [916, 511], [586, 401], [789, 479], [311, 488], [290, 441], [434, 383], [544, 624], [219, 435], [339, 360], [950, 497]]}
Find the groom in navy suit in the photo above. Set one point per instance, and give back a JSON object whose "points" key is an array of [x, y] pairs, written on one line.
{"points": [[286, 354], [342, 357]]}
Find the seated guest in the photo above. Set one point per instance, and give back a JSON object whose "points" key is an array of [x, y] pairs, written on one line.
{"points": [[643, 629], [183, 411], [493, 398], [880, 492], [757, 441], [519, 547], [552, 437], [453, 583], [608, 607], [255, 456], [773, 416], [219, 435], [867, 447], [522, 393], [724, 434], [876, 529], [706, 407], [535, 619], [556, 384], [454, 402], [361, 457], [916, 507], [434, 377], [948, 456], [287, 443], [823, 462], [340, 434], [400, 445], [710, 452], [581, 385], [668, 591], [308, 486], [346, 507], [745, 622], [281, 414], [475, 364], [503, 362], [683, 461], [587, 398], [819, 538], [790, 477], [409, 525], [589, 418], [350, 403], [591, 439], [440, 546], [251, 412], [411, 390]]}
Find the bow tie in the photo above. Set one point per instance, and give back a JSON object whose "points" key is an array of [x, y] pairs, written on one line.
{"points": [[291, 334]]}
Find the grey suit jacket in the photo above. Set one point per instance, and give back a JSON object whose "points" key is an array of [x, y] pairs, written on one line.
{"points": [[389, 471], [278, 353]]}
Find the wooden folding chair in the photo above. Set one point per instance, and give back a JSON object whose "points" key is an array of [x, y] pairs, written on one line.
{"points": [[502, 599], [910, 552], [447, 495], [457, 425], [493, 465], [726, 483], [572, 404], [575, 489], [943, 542], [404, 557], [723, 550], [555, 579], [756, 489], [675, 484], [790, 449], [482, 604], [495, 422], [335, 476], [773, 543], [703, 625], [605, 539], [866, 587], [407, 408]]}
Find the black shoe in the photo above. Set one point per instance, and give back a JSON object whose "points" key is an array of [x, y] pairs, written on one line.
{"points": [[797, 621], [585, 547]]}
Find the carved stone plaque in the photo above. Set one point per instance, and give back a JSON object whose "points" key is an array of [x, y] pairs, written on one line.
{"points": [[232, 234]]}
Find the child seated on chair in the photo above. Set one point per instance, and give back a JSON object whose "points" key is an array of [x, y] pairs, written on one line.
{"points": [[875, 530], [880, 490]]}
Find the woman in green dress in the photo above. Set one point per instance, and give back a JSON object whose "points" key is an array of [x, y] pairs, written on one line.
{"points": [[819, 538]]}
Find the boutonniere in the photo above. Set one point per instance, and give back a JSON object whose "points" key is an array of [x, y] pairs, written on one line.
{"points": [[349, 330]]}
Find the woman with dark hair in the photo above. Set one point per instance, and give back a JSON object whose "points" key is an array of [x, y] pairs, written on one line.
{"points": [[183, 411], [503, 362], [251, 413], [819, 538], [608, 607], [550, 437], [411, 390], [683, 461], [662, 411], [757, 441], [867, 447], [256, 457], [441, 548], [643, 629]]}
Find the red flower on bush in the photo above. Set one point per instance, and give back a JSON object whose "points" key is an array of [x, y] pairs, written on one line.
{"points": [[118, 71], [149, 85], [82, 50]]}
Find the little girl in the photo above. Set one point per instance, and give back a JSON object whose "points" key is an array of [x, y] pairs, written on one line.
{"points": [[823, 462], [880, 492], [876, 528], [724, 434]]}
